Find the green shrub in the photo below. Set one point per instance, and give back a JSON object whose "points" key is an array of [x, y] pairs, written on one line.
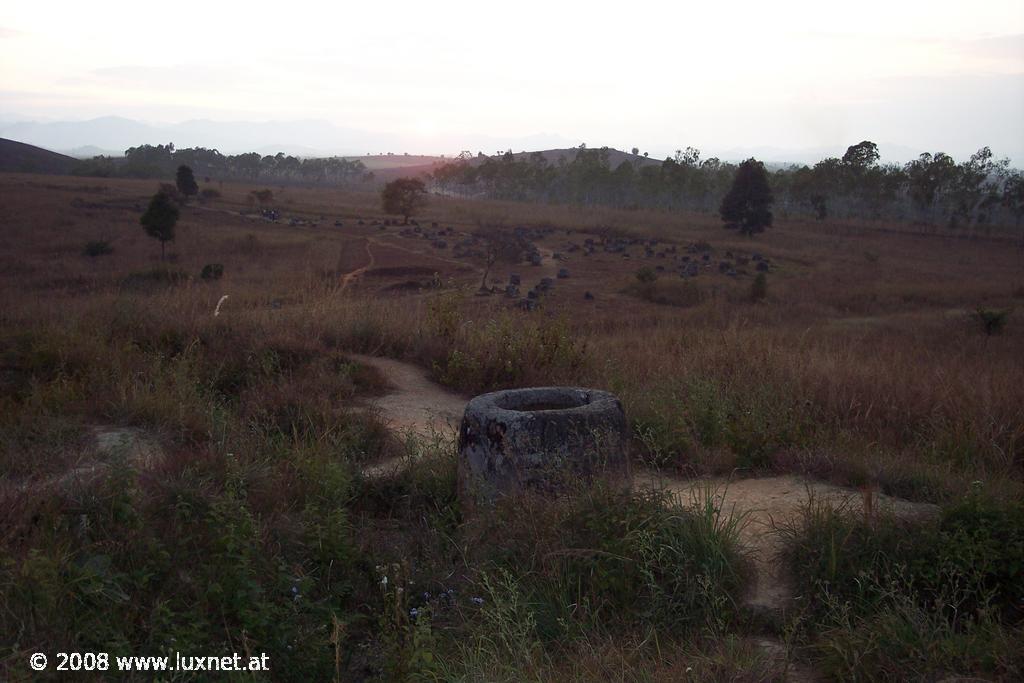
{"points": [[646, 275], [759, 288], [212, 271], [149, 280], [935, 595], [680, 293], [98, 248], [991, 320], [607, 559], [509, 350]]}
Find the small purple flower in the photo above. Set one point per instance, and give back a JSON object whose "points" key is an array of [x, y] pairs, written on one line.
{"points": [[413, 613], [477, 601]]}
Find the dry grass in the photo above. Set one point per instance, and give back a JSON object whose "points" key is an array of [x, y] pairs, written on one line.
{"points": [[863, 366], [864, 354]]}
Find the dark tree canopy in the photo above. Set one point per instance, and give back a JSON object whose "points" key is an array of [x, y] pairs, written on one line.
{"points": [[159, 219], [861, 156], [747, 204], [186, 182], [404, 196]]}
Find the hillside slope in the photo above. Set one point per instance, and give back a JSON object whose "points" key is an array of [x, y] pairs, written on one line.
{"points": [[17, 157]]}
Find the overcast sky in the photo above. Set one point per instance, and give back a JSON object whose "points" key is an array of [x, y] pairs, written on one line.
{"points": [[936, 75]]}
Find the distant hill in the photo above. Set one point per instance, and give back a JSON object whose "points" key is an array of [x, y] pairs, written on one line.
{"points": [[303, 138], [379, 162], [90, 151], [17, 157], [615, 156]]}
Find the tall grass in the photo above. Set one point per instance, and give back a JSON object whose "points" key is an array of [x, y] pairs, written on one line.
{"points": [[912, 600], [255, 527]]}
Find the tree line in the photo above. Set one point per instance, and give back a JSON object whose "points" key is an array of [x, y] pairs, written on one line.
{"points": [[160, 161], [933, 189]]}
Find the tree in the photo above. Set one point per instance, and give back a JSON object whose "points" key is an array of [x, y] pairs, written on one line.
{"points": [[747, 204], [186, 182], [861, 156], [404, 196], [1013, 195], [930, 178], [159, 220], [977, 187]]}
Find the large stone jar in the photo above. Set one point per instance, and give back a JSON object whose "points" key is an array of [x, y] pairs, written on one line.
{"points": [[542, 439]]}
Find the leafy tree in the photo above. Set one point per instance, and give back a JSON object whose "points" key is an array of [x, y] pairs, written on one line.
{"points": [[861, 156], [159, 220], [1013, 196], [186, 182], [404, 196], [747, 204], [977, 187], [930, 178]]}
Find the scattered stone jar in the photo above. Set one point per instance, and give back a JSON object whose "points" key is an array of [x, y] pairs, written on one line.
{"points": [[542, 439]]}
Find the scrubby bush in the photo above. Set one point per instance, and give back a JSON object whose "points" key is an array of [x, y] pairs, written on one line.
{"points": [[609, 560], [992, 321], [153, 279], [759, 288], [510, 350], [646, 275], [262, 196], [212, 271], [98, 248], [680, 293], [900, 599]]}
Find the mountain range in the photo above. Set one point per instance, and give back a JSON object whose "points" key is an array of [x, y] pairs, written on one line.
{"points": [[111, 135]]}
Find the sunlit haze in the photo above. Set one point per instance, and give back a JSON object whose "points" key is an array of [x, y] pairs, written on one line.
{"points": [[445, 76]]}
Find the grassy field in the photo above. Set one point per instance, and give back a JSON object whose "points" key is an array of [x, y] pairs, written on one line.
{"points": [[247, 525]]}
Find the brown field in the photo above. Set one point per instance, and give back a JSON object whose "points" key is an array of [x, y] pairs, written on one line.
{"points": [[865, 339], [865, 365]]}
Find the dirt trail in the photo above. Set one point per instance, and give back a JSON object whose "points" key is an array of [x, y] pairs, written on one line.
{"points": [[766, 504], [770, 503], [107, 446], [421, 406], [348, 277], [417, 404], [548, 265]]}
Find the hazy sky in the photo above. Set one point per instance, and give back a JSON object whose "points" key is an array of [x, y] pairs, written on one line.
{"points": [[936, 74]]}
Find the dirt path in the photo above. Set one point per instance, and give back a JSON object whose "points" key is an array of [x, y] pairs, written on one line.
{"points": [[548, 265], [417, 404], [769, 503], [425, 254], [420, 406], [348, 277], [107, 446]]}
